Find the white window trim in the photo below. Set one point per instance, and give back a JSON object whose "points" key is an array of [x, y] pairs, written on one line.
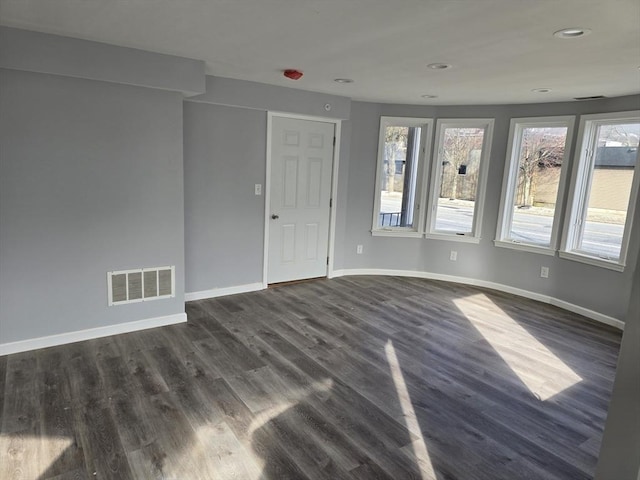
{"points": [[436, 168], [421, 178], [452, 237], [580, 184], [525, 247], [591, 260], [396, 232], [509, 182]]}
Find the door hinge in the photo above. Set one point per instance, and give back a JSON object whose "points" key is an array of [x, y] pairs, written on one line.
{"points": [[330, 202], [327, 260], [334, 141]]}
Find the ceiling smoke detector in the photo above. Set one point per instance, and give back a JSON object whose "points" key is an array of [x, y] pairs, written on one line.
{"points": [[439, 66], [343, 80], [541, 90]]}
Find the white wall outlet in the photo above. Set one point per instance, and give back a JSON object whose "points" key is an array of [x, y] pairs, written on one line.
{"points": [[359, 249], [544, 272], [258, 189], [453, 256]]}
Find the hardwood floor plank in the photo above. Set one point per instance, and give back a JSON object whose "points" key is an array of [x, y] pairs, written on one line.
{"points": [[227, 360], [79, 474], [60, 443], [370, 470], [259, 389], [143, 373], [227, 454], [21, 409], [21, 455], [104, 455], [175, 451], [303, 448]]}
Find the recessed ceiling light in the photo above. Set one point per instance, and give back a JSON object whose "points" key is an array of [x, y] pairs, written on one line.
{"points": [[592, 97], [541, 90], [572, 32], [429, 96], [343, 80], [439, 66]]}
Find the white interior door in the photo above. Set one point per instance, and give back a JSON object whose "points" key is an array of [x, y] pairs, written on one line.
{"points": [[300, 192]]}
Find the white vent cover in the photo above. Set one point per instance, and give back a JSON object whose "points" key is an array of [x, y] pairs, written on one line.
{"points": [[141, 285]]}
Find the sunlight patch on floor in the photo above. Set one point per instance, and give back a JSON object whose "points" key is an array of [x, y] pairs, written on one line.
{"points": [[18, 451], [419, 447], [543, 373]]}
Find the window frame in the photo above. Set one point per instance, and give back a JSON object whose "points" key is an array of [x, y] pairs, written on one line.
{"points": [[436, 170], [581, 177], [510, 179], [421, 184]]}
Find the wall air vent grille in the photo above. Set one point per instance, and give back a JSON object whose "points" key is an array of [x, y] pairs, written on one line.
{"points": [[140, 285]]}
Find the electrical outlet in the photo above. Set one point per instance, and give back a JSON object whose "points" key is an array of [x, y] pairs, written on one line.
{"points": [[258, 189], [359, 249], [453, 256], [544, 272]]}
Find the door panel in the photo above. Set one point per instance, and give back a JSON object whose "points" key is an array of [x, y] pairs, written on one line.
{"points": [[287, 251], [290, 182], [311, 241], [301, 165], [314, 185]]}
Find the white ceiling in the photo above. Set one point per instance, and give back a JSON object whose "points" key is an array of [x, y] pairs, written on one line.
{"points": [[500, 49]]}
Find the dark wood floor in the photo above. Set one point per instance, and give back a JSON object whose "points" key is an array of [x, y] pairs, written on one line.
{"points": [[351, 378]]}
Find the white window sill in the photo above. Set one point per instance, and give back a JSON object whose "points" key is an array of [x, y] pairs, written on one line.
{"points": [[452, 237], [525, 247], [598, 262], [396, 232]]}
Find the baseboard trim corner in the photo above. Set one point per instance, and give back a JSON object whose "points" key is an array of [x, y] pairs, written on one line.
{"points": [[221, 292], [90, 333], [585, 312]]}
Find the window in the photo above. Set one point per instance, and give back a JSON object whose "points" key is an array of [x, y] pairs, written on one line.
{"points": [[537, 156], [459, 178], [604, 188], [401, 167]]}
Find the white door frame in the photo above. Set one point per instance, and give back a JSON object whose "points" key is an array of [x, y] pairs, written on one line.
{"points": [[334, 187]]}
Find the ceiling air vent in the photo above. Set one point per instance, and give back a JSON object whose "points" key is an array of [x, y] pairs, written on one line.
{"points": [[140, 285], [594, 97]]}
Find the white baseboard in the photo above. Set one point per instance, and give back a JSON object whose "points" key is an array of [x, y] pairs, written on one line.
{"points": [[585, 312], [90, 333], [597, 316], [221, 292]]}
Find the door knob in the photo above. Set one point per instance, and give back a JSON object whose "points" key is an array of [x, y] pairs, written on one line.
{"points": [[275, 217]]}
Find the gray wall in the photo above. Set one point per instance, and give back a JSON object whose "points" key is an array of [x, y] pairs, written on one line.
{"points": [[604, 291], [44, 53], [224, 157], [91, 180], [224, 154]]}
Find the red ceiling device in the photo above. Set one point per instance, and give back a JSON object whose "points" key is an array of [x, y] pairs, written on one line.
{"points": [[293, 74]]}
